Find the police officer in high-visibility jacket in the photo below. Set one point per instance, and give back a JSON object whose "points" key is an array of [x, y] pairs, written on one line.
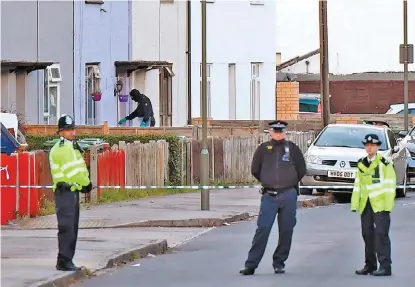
{"points": [[374, 196], [70, 176]]}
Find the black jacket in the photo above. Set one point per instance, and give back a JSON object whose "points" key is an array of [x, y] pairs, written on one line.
{"points": [[269, 168], [144, 109]]}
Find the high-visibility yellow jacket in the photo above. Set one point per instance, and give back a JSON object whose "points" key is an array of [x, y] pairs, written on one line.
{"points": [[68, 166], [376, 182]]}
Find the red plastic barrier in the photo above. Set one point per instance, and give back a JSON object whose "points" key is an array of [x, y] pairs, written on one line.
{"points": [[111, 168], [28, 197], [8, 195]]}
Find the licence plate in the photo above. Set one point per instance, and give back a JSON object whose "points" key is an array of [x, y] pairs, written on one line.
{"points": [[342, 174]]}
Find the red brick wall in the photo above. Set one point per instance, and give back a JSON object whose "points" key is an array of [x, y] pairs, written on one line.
{"points": [[362, 97]]}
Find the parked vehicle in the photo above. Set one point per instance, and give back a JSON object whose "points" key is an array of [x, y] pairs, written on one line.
{"points": [[398, 109], [332, 157], [407, 140]]}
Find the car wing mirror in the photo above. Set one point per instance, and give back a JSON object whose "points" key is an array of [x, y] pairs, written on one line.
{"points": [[395, 149], [309, 143]]}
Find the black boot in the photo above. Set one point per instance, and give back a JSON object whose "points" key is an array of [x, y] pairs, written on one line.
{"points": [[66, 266], [383, 271], [365, 271], [247, 271], [279, 270]]}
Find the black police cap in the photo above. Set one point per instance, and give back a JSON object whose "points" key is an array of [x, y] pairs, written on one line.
{"points": [[372, 139], [278, 125], [66, 122]]}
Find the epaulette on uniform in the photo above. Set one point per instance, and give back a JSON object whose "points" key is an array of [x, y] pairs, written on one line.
{"points": [[384, 161], [61, 142]]}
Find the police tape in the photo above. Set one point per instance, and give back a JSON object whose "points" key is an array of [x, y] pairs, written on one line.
{"points": [[325, 187]]}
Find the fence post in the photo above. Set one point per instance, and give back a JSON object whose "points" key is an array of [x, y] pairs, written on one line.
{"points": [[105, 128], [94, 172]]}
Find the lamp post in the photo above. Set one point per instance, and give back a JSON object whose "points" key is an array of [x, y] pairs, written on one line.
{"points": [[204, 153], [406, 56], [324, 63]]}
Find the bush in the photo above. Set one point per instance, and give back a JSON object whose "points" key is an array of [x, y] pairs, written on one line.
{"points": [[36, 142]]}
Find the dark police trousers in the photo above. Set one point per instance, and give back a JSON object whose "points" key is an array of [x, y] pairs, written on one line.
{"points": [[285, 205], [375, 232], [67, 213]]}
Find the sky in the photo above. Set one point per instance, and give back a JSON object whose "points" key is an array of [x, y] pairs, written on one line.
{"points": [[364, 35]]}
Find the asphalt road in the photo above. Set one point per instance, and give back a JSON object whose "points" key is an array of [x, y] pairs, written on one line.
{"points": [[327, 248]]}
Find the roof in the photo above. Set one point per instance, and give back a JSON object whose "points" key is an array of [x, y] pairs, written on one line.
{"points": [[13, 66], [131, 66], [364, 126], [297, 59]]}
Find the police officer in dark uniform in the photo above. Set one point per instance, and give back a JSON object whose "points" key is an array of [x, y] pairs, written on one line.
{"points": [[70, 176], [144, 110], [279, 166]]}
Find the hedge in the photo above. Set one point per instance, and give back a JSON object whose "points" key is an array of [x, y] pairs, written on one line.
{"points": [[35, 142]]}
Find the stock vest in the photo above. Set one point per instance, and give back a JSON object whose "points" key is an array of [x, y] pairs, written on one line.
{"points": [[375, 182], [68, 166]]}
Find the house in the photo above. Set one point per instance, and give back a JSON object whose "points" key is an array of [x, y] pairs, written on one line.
{"points": [[37, 59], [102, 38], [165, 62]]}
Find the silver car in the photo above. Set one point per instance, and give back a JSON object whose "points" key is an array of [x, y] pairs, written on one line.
{"points": [[332, 157]]}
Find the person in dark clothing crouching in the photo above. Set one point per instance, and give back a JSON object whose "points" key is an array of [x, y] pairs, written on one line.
{"points": [[144, 111], [279, 166]]}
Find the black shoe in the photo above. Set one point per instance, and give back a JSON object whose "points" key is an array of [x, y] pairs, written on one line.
{"points": [[279, 270], [247, 271], [365, 271], [383, 272], [67, 266]]}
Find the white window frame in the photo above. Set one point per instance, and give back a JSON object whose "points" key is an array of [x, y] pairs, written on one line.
{"points": [[255, 91], [209, 91], [50, 74], [257, 2], [49, 84], [232, 90], [92, 72]]}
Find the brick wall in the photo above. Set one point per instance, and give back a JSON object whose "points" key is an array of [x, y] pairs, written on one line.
{"points": [[360, 96], [287, 97]]}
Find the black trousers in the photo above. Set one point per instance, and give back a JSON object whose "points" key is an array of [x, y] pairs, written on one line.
{"points": [[67, 213], [375, 232], [285, 205]]}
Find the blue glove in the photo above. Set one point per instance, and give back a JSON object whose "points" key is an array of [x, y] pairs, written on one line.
{"points": [[122, 121], [143, 124]]}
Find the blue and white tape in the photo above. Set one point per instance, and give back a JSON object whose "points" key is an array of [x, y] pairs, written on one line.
{"points": [[328, 187]]}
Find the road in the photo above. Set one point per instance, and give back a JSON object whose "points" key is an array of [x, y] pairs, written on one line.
{"points": [[327, 248]]}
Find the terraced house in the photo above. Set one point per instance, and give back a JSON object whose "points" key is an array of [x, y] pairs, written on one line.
{"points": [[83, 57]]}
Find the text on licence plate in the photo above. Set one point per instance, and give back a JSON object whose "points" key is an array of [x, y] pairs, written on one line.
{"points": [[342, 174]]}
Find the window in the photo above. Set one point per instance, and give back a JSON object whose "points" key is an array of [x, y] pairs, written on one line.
{"points": [[255, 91], [97, 2], [349, 137], [410, 112], [232, 92], [51, 94], [208, 92], [257, 2], [92, 86]]}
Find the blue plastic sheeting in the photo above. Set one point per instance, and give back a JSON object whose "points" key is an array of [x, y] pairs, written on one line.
{"points": [[8, 143], [307, 101]]}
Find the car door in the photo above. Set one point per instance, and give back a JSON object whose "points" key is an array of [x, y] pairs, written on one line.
{"points": [[398, 158]]}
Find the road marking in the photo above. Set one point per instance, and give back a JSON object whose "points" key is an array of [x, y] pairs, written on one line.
{"points": [[410, 203], [136, 265], [191, 237]]}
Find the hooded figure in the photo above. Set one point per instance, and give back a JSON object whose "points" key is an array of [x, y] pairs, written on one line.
{"points": [[143, 112]]}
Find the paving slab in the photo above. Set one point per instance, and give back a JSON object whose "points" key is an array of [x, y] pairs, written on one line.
{"points": [[178, 210], [29, 256]]}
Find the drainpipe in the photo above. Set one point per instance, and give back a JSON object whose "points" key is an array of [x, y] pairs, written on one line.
{"points": [[39, 108], [189, 62], [73, 61]]}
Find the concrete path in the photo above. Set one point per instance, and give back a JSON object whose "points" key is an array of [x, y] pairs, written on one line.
{"points": [[29, 247], [327, 248]]}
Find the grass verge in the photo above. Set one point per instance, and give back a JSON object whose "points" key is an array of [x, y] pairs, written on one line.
{"points": [[118, 195]]}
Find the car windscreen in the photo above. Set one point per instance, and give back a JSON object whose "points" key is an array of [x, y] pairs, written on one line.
{"points": [[351, 137]]}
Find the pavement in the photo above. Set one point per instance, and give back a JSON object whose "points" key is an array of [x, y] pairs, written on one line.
{"points": [[114, 234], [327, 248]]}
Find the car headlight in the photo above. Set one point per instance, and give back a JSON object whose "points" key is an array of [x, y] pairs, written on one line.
{"points": [[313, 159]]}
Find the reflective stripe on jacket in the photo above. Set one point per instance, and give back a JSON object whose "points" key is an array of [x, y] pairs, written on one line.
{"points": [[376, 182], [67, 165]]}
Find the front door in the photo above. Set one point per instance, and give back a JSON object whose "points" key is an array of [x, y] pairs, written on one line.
{"points": [[166, 97]]}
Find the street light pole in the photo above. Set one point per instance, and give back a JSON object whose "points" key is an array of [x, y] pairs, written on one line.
{"points": [[204, 153], [405, 65], [324, 63]]}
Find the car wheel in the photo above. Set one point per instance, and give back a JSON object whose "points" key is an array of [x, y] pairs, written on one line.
{"points": [[306, 191], [401, 192]]}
